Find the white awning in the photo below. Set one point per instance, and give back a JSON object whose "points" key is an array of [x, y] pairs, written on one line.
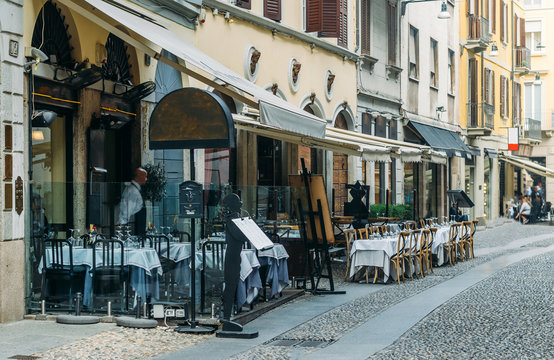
{"points": [[527, 165], [344, 146], [273, 110], [404, 151]]}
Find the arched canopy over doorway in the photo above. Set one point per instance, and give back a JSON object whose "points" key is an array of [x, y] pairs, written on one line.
{"points": [[191, 118]]}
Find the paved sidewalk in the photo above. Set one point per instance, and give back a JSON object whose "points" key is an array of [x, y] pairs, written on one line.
{"points": [[424, 295]]}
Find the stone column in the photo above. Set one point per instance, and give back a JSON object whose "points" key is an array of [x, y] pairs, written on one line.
{"points": [[13, 158], [90, 104]]}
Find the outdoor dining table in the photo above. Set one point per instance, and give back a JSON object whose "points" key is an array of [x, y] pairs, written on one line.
{"points": [[378, 252], [250, 281], [143, 265]]}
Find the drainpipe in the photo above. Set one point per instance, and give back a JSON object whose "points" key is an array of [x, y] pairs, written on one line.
{"points": [[482, 70]]}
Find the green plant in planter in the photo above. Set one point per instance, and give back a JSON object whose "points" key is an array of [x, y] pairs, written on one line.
{"points": [[154, 188]]}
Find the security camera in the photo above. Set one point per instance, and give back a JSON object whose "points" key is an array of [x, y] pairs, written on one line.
{"points": [[37, 54]]}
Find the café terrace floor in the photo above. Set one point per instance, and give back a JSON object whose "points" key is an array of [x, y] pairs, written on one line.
{"points": [[499, 304]]}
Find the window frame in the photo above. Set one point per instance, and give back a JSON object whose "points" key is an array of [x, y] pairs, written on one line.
{"points": [[434, 60], [415, 65]]}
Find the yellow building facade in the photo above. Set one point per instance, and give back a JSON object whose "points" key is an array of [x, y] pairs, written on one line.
{"points": [[492, 62]]}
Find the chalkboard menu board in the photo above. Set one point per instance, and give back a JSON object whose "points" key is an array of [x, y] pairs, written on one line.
{"points": [[252, 232], [190, 200]]}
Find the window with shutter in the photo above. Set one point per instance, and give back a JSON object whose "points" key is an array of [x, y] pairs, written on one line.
{"points": [[522, 31], [365, 35], [392, 17], [272, 9], [433, 64], [507, 97], [502, 21], [516, 30], [313, 15], [486, 85], [451, 72], [502, 99], [245, 4], [493, 17], [330, 10], [493, 102], [343, 23], [414, 53]]}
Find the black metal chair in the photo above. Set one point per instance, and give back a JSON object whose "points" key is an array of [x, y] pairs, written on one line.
{"points": [[161, 243], [109, 276], [212, 277], [60, 278]]}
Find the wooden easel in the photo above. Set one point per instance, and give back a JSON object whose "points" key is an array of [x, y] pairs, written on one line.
{"points": [[315, 230]]}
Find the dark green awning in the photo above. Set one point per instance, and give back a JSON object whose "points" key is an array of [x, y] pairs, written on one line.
{"points": [[441, 139]]}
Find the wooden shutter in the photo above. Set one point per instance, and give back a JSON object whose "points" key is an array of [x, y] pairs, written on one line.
{"points": [[330, 10], [486, 85], [392, 17], [514, 30], [343, 24], [502, 93], [522, 31], [468, 6], [245, 4], [507, 107], [493, 102], [502, 20], [272, 9], [493, 17], [365, 35], [486, 14], [476, 7], [313, 15]]}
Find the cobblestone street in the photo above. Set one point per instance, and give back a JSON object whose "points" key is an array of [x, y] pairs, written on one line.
{"points": [[498, 305]]}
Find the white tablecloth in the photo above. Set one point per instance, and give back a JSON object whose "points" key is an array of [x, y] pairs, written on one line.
{"points": [[145, 262], [375, 253]]}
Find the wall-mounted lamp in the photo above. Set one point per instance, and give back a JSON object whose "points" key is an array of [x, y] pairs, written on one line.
{"points": [[444, 14], [494, 50], [228, 17], [37, 55], [43, 118], [537, 79]]}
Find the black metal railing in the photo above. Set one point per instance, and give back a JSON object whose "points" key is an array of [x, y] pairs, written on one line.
{"points": [[478, 28], [532, 129]]}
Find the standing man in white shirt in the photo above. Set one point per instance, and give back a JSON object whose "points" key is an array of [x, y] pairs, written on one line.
{"points": [[133, 204]]}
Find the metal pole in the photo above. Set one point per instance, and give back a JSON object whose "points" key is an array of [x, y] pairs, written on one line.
{"points": [[193, 254]]}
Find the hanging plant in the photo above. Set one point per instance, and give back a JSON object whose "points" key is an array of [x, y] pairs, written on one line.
{"points": [[154, 188]]}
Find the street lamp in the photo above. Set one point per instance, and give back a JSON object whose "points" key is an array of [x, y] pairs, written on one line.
{"points": [[444, 14]]}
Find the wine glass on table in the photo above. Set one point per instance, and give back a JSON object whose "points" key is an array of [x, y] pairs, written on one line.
{"points": [[75, 241]]}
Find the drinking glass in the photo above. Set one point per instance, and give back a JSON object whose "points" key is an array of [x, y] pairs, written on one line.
{"points": [[76, 241]]}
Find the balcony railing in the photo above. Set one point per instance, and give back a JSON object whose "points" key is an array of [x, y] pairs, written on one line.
{"points": [[523, 58], [532, 129], [478, 29], [475, 118]]}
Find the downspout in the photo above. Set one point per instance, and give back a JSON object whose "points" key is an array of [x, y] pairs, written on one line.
{"points": [[512, 69], [482, 70]]}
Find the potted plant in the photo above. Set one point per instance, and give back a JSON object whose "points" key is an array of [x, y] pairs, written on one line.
{"points": [[154, 188]]}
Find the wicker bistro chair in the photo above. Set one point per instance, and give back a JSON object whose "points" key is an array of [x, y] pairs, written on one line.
{"points": [[410, 251], [471, 237], [363, 234], [432, 235], [450, 246], [410, 225], [422, 251], [398, 258], [350, 235], [464, 239]]}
